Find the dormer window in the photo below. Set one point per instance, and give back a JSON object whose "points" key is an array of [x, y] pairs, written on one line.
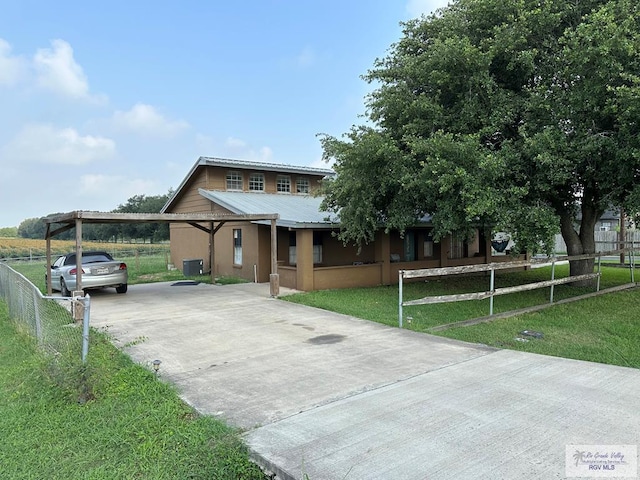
{"points": [[283, 184], [256, 182], [302, 185], [234, 180]]}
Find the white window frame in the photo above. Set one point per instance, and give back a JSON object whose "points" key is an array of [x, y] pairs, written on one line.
{"points": [[237, 246], [302, 185], [605, 226], [256, 182], [234, 178], [283, 184]]}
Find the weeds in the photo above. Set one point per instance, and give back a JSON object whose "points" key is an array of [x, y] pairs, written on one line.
{"points": [[110, 419]]}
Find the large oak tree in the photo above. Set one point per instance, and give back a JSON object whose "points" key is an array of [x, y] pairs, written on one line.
{"points": [[519, 116]]}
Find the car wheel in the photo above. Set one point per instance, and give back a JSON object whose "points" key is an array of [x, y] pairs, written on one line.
{"points": [[64, 291], [122, 288]]}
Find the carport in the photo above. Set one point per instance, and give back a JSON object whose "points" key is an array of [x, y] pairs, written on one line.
{"points": [[209, 223]]}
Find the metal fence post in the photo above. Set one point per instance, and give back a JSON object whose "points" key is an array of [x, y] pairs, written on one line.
{"points": [[36, 311], [553, 277], [85, 328], [632, 262], [400, 299], [492, 288]]}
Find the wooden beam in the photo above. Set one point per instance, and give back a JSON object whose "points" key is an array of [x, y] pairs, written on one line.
{"points": [[104, 217], [200, 227], [59, 230], [78, 254]]}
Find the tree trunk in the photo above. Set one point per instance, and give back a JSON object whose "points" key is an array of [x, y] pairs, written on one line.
{"points": [[580, 243]]}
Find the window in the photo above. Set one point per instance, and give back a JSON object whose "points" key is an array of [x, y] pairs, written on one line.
{"points": [[302, 185], [317, 248], [237, 246], [234, 181], [283, 184], [256, 182], [605, 226]]}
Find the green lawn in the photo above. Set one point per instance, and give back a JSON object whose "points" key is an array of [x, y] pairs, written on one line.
{"points": [[130, 426], [602, 329]]}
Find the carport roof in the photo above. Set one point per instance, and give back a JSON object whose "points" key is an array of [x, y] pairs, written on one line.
{"points": [[296, 211], [110, 217]]}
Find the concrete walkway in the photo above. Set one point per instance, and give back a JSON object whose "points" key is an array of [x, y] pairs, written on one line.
{"points": [[332, 397]]}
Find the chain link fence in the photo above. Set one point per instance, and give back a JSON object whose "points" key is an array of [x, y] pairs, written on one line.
{"points": [[60, 325]]}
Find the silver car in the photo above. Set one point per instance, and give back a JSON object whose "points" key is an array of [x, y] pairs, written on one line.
{"points": [[99, 270]]}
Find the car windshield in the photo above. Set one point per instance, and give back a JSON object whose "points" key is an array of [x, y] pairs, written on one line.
{"points": [[90, 257]]}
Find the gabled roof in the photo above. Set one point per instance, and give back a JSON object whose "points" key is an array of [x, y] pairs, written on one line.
{"points": [[263, 166], [244, 165], [295, 211]]}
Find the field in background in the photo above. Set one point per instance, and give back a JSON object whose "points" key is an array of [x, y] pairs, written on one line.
{"points": [[35, 249]]}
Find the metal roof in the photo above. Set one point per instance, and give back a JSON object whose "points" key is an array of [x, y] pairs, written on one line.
{"points": [[246, 165], [263, 166], [295, 211]]}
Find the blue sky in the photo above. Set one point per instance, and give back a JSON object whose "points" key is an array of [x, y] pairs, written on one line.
{"points": [[101, 101]]}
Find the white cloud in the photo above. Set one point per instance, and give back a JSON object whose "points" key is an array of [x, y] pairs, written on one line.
{"points": [[12, 68], [235, 143], [95, 185], [322, 163], [146, 120], [415, 8], [240, 149], [57, 70], [43, 143]]}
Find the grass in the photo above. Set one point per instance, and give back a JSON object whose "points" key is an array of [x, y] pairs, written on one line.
{"points": [[131, 425], [603, 329]]}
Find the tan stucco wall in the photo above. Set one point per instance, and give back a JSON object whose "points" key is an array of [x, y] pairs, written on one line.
{"points": [[348, 276]]}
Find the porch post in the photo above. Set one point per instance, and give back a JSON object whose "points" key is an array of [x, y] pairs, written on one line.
{"points": [[445, 247], [383, 255], [212, 254], [304, 259], [487, 245], [274, 277]]}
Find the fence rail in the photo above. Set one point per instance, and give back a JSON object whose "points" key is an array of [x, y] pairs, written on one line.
{"points": [[492, 267], [609, 240], [60, 324]]}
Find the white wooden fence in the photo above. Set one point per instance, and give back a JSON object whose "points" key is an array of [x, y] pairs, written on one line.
{"points": [[605, 241], [492, 267]]}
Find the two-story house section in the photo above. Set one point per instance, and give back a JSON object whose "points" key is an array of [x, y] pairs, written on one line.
{"points": [[218, 185]]}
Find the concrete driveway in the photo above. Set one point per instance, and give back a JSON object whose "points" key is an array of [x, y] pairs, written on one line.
{"points": [[332, 396]]}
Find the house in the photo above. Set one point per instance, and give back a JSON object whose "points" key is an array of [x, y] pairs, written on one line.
{"points": [[309, 255], [609, 221]]}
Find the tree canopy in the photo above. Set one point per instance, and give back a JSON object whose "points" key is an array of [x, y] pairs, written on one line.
{"points": [[153, 232], [518, 116]]}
